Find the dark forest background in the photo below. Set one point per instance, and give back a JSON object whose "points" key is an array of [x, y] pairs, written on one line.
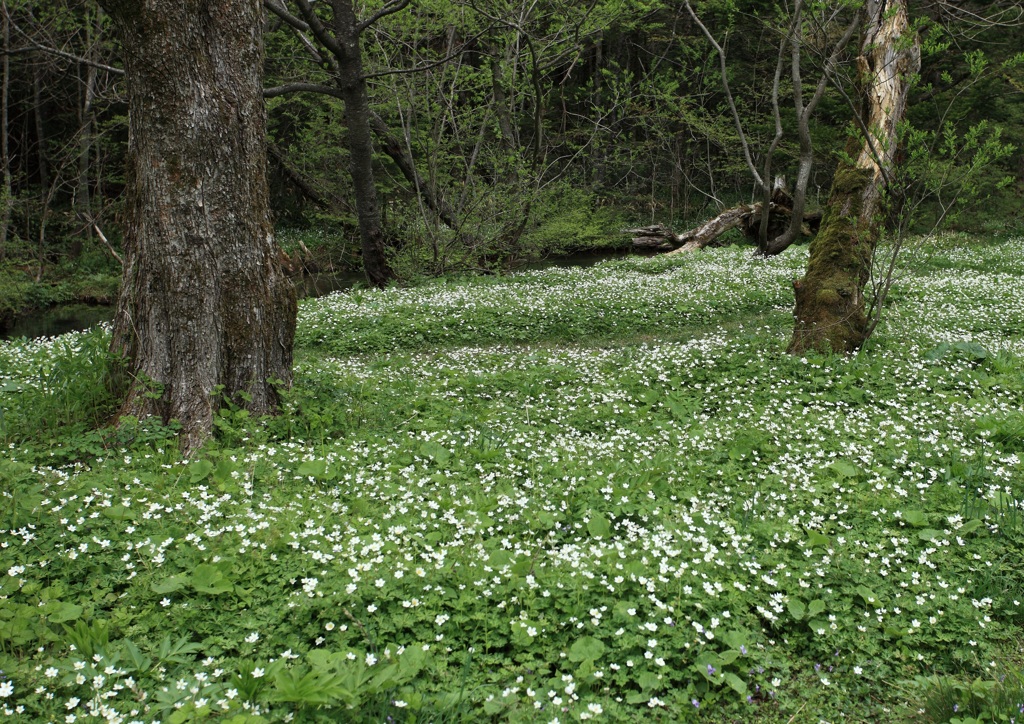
{"points": [[504, 130]]}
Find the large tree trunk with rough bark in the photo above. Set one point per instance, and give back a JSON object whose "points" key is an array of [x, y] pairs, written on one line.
{"points": [[830, 309], [205, 309]]}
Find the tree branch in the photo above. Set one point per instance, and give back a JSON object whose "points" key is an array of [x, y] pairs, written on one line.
{"points": [[66, 56], [289, 88], [301, 28], [317, 28], [389, 8], [744, 144], [282, 12], [301, 182], [433, 64]]}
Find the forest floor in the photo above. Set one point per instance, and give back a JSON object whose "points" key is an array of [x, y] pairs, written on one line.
{"points": [[574, 493]]}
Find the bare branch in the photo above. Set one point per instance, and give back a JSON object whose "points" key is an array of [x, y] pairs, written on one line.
{"points": [[108, 245], [744, 144], [282, 12], [434, 64], [66, 56], [1008, 16], [389, 8], [289, 88], [317, 28], [762, 232]]}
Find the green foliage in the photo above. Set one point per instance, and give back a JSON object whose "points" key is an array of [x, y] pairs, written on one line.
{"points": [[52, 389], [996, 697], [568, 219], [634, 297], [526, 512]]}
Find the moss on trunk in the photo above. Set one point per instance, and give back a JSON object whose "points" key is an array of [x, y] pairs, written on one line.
{"points": [[830, 311], [829, 298]]}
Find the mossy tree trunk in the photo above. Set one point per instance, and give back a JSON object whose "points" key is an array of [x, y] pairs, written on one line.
{"points": [[830, 308], [205, 309]]}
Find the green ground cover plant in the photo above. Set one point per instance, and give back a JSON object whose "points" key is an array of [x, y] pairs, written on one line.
{"points": [[562, 495]]}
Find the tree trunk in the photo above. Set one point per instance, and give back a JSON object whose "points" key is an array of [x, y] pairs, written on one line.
{"points": [[7, 193], [745, 217], [82, 200], [205, 309], [829, 311], [707, 233], [360, 145], [395, 149], [40, 128]]}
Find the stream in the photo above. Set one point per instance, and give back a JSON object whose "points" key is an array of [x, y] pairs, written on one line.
{"points": [[66, 318]]}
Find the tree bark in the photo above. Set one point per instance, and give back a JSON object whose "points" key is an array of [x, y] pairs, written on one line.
{"points": [[830, 309], [405, 163], [40, 129], [707, 233], [82, 201], [205, 310], [745, 217], [7, 192], [360, 144]]}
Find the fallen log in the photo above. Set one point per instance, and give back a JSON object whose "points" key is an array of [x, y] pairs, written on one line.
{"points": [[657, 237], [739, 216], [745, 217]]}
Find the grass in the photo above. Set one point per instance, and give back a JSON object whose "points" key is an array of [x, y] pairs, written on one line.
{"points": [[562, 495]]}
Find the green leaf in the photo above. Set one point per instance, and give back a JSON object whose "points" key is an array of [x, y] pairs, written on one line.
{"points": [[222, 473], [500, 558], [199, 470], [140, 662], [586, 649], [929, 534], [63, 612], [210, 579], [169, 584], [184, 714], [546, 520], [736, 639], [118, 512], [735, 683], [438, 453], [972, 350], [817, 540], [312, 469], [598, 526], [970, 526], [937, 352], [412, 660], [815, 607], [844, 469], [648, 680], [868, 595], [796, 608], [521, 633], [680, 409], [916, 518], [494, 706], [727, 657]]}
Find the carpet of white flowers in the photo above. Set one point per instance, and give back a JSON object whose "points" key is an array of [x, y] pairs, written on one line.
{"points": [[565, 495]]}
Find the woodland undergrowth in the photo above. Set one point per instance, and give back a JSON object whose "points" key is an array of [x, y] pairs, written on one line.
{"points": [[561, 495]]}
